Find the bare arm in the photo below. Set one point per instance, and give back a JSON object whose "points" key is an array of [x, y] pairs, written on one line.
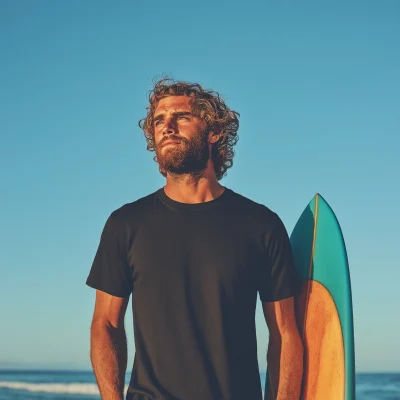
{"points": [[108, 348], [285, 350]]}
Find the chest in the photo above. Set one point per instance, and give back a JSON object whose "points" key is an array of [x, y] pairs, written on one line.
{"points": [[194, 254]]}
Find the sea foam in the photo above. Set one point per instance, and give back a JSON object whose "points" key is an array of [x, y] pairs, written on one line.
{"points": [[70, 388]]}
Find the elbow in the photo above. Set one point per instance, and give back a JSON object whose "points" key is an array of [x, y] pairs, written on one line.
{"points": [[102, 329], [99, 332], [293, 346], [294, 338], [103, 322], [289, 343]]}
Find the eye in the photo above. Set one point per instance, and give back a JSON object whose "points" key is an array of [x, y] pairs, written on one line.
{"points": [[158, 122]]}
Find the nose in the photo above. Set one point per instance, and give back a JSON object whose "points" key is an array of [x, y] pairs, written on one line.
{"points": [[169, 126]]}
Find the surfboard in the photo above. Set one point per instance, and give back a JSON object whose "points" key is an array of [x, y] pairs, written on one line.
{"points": [[324, 310]]}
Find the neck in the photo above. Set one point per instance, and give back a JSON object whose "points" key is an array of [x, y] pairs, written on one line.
{"points": [[194, 188]]}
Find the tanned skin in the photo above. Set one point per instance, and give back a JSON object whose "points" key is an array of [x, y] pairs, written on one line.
{"points": [[285, 350], [175, 122], [108, 348], [185, 188]]}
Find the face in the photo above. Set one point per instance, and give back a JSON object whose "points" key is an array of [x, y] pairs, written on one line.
{"points": [[182, 139]]}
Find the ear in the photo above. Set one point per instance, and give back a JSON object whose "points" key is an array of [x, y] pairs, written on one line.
{"points": [[213, 137]]}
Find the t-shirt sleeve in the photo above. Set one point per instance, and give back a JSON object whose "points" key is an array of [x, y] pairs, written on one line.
{"points": [[110, 271], [278, 277]]}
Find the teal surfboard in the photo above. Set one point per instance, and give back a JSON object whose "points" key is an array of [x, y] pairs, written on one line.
{"points": [[324, 309]]}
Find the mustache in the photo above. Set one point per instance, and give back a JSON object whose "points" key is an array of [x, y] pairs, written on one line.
{"points": [[173, 138]]}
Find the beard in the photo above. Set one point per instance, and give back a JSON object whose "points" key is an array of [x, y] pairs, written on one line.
{"points": [[188, 157]]}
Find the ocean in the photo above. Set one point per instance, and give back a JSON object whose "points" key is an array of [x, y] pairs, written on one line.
{"points": [[81, 385]]}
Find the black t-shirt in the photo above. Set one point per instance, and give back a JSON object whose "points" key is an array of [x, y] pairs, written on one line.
{"points": [[194, 272]]}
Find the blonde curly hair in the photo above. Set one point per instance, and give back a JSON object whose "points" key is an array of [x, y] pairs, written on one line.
{"points": [[208, 106]]}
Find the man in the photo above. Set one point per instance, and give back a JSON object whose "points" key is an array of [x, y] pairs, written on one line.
{"points": [[194, 255]]}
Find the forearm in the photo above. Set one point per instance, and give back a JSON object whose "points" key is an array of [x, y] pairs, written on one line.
{"points": [[285, 367], [108, 353]]}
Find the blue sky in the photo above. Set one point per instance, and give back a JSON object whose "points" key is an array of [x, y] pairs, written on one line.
{"points": [[317, 86]]}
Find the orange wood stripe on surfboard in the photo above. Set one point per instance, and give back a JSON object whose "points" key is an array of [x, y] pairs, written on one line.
{"points": [[323, 375]]}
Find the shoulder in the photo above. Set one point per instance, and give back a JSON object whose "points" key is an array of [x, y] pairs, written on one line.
{"points": [[130, 214], [259, 220], [138, 205], [252, 208]]}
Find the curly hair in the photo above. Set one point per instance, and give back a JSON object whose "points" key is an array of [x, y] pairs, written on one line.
{"points": [[206, 105]]}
